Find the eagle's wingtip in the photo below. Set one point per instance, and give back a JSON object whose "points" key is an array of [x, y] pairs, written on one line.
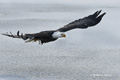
{"points": [[4, 33], [101, 11], [103, 14]]}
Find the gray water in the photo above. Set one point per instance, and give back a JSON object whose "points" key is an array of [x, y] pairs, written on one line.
{"points": [[89, 54]]}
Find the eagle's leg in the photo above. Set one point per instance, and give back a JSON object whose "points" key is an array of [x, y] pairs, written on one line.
{"points": [[40, 43]]}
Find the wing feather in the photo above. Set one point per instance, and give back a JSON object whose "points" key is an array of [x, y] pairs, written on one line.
{"points": [[83, 23], [24, 37], [44, 36]]}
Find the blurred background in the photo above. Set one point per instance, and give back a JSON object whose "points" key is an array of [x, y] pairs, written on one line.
{"points": [[87, 54]]}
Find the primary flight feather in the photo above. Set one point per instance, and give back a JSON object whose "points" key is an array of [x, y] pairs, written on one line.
{"points": [[52, 35]]}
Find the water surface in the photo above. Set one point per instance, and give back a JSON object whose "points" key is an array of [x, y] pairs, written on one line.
{"points": [[91, 54]]}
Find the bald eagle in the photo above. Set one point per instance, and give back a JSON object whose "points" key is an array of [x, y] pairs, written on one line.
{"points": [[52, 35]]}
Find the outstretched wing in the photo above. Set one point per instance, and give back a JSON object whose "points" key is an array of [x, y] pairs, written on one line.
{"points": [[83, 23], [42, 37], [28, 37]]}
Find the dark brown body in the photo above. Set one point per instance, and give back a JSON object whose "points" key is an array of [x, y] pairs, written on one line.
{"points": [[44, 36]]}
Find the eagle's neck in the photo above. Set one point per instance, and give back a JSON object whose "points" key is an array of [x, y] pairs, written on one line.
{"points": [[57, 34]]}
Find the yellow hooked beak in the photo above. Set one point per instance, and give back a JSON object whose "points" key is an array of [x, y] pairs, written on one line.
{"points": [[63, 35]]}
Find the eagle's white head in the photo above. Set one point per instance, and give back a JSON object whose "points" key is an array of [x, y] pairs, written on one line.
{"points": [[58, 34]]}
